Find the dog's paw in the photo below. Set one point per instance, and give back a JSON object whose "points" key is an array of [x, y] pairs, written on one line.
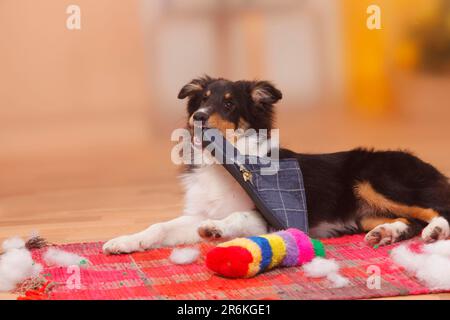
{"points": [[386, 233], [437, 229], [123, 244], [209, 229]]}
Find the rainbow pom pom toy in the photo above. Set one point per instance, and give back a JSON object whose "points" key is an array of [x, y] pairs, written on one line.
{"points": [[246, 257]]}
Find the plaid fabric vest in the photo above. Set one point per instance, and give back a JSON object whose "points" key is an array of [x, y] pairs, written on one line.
{"points": [[275, 185]]}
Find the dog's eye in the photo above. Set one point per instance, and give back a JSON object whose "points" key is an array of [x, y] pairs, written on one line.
{"points": [[229, 105]]}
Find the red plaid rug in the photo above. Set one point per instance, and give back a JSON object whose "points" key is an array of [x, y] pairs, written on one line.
{"points": [[150, 275]]}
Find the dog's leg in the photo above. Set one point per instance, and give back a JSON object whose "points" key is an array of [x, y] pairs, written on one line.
{"points": [[384, 231], [182, 230], [237, 224], [438, 224]]}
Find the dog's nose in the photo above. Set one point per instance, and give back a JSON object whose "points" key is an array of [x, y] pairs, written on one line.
{"points": [[200, 116]]}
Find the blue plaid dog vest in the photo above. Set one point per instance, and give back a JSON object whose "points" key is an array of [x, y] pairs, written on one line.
{"points": [[275, 185]]}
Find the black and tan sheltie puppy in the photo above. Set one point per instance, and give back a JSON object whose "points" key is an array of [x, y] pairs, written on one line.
{"points": [[391, 195]]}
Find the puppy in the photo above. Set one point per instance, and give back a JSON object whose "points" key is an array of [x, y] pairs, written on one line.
{"points": [[392, 195]]}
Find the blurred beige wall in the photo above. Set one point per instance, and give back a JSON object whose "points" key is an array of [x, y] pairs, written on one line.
{"points": [[296, 44], [116, 80], [56, 83]]}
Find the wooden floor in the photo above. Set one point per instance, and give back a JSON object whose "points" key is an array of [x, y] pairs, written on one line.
{"points": [[73, 194]]}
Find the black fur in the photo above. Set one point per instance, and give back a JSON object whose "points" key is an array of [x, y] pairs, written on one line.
{"points": [[330, 180]]}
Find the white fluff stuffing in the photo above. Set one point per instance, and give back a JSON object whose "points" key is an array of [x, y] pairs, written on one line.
{"points": [[320, 267], [13, 243], [184, 255], [338, 280], [431, 267], [62, 258], [439, 247], [16, 264]]}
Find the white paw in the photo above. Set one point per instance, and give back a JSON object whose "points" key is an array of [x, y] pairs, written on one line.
{"points": [[386, 233], [437, 229], [210, 229], [123, 244]]}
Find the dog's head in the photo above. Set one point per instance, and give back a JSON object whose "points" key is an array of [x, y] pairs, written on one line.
{"points": [[224, 104]]}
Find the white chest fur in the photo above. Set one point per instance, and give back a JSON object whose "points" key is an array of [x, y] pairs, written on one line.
{"points": [[212, 192]]}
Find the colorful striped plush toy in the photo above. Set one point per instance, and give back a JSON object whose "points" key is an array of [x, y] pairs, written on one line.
{"points": [[246, 257]]}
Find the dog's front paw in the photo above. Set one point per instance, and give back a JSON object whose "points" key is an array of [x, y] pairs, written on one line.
{"points": [[437, 229], [210, 230], [123, 244]]}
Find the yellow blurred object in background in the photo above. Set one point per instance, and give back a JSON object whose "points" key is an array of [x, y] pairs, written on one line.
{"points": [[367, 79], [407, 55]]}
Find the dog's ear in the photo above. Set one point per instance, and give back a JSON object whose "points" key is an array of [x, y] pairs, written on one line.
{"points": [[194, 87], [264, 92]]}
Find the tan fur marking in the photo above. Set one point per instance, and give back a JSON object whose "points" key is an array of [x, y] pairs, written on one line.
{"points": [[194, 87], [227, 95], [365, 191], [216, 121], [258, 94], [370, 223], [208, 93], [243, 124]]}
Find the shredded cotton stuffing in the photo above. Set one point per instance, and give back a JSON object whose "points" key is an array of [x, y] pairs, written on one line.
{"points": [[13, 243], [440, 247], [321, 267], [16, 264], [184, 255], [59, 257], [338, 280], [432, 266]]}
